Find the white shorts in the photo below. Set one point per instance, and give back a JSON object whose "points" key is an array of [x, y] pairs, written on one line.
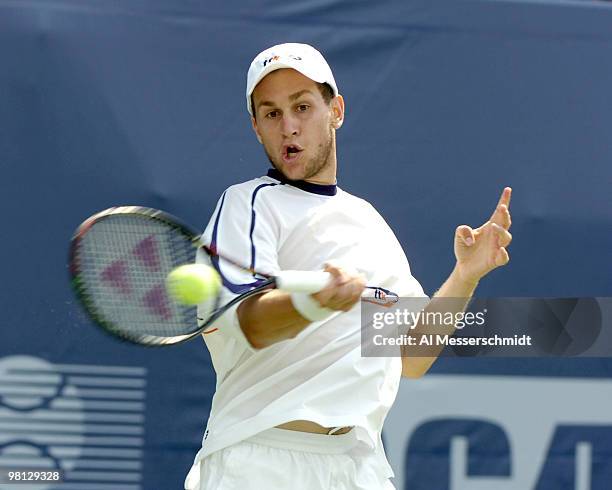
{"points": [[279, 459]]}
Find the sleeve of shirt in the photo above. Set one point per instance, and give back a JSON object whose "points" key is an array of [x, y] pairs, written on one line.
{"points": [[393, 262], [243, 229]]}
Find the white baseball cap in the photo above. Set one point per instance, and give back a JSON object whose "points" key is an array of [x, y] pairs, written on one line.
{"points": [[301, 57]]}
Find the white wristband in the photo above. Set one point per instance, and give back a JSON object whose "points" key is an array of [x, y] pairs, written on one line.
{"points": [[309, 307]]}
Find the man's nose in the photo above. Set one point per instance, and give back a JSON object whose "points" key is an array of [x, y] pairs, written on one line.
{"points": [[290, 125]]}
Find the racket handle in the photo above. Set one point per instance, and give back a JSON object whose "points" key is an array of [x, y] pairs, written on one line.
{"points": [[302, 281]]}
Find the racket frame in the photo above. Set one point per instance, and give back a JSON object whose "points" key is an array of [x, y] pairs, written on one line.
{"points": [[183, 229]]}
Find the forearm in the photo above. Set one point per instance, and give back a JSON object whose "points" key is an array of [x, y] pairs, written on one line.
{"points": [[269, 318], [478, 251], [276, 315], [452, 298]]}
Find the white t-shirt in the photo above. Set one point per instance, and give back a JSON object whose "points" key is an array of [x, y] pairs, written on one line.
{"points": [[272, 224]]}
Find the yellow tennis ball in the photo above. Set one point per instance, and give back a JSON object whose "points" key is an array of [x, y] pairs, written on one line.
{"points": [[191, 284]]}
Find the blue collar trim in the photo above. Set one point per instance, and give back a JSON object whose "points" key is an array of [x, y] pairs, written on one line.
{"points": [[321, 189]]}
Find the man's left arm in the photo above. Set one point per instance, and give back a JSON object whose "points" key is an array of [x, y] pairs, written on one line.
{"points": [[477, 251]]}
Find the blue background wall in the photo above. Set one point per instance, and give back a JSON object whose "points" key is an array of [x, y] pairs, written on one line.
{"points": [[141, 102]]}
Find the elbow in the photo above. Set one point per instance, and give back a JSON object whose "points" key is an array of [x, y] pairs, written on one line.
{"points": [[260, 338], [261, 324], [247, 321], [415, 367], [254, 337], [412, 374]]}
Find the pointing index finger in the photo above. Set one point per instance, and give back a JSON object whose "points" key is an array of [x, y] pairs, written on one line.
{"points": [[505, 197], [501, 214]]}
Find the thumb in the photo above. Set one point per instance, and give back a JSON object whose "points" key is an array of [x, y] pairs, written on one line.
{"points": [[466, 234], [336, 273]]}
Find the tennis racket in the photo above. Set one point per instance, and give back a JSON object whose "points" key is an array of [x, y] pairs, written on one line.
{"points": [[119, 260]]}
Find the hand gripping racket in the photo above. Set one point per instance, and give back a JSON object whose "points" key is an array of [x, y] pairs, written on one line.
{"points": [[119, 261]]}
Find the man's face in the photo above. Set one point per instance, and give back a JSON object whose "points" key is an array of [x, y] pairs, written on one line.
{"points": [[296, 126]]}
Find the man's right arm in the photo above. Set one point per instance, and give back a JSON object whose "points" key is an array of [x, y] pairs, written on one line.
{"points": [[271, 317]]}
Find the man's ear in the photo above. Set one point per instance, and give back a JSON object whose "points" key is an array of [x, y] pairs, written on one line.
{"points": [[256, 129], [337, 107]]}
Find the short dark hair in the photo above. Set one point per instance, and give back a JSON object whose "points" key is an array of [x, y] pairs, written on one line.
{"points": [[326, 92]]}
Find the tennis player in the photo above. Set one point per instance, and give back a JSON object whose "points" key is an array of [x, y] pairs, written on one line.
{"points": [[296, 406]]}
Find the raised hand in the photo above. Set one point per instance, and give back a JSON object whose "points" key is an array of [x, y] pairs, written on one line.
{"points": [[479, 251]]}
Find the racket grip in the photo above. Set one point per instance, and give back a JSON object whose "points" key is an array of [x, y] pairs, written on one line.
{"points": [[302, 281]]}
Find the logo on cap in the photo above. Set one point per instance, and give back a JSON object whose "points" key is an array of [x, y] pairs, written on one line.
{"points": [[277, 57]]}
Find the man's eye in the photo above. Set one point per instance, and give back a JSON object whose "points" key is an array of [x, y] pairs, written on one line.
{"points": [[272, 114], [303, 107]]}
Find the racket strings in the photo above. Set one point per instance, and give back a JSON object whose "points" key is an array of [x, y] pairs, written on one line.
{"points": [[123, 266]]}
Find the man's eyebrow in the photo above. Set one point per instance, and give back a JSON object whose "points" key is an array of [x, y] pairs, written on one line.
{"points": [[297, 95], [292, 97]]}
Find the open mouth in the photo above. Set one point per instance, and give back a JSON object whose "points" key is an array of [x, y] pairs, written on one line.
{"points": [[291, 152]]}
